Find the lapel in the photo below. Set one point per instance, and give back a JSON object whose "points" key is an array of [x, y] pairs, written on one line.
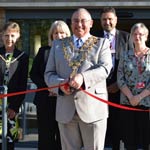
{"points": [[14, 65], [14, 62], [16, 56], [118, 41], [2, 65]]}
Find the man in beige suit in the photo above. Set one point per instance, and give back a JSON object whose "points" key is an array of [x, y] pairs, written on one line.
{"points": [[83, 61]]}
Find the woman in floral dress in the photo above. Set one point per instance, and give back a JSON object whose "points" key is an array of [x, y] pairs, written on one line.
{"points": [[134, 83]]}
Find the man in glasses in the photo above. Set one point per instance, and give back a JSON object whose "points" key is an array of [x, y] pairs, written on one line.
{"points": [[80, 62]]}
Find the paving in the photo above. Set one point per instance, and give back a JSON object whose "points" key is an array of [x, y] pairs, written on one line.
{"points": [[29, 142]]}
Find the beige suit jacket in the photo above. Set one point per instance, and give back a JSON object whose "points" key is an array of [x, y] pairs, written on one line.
{"points": [[95, 69]]}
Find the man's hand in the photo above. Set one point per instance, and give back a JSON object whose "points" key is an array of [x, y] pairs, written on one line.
{"points": [[51, 93], [113, 88], [65, 88], [77, 81]]}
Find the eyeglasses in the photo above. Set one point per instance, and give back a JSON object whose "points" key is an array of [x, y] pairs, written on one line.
{"points": [[138, 34], [83, 21]]}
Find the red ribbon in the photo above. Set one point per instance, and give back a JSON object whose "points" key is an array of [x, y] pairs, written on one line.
{"points": [[114, 104], [66, 85]]}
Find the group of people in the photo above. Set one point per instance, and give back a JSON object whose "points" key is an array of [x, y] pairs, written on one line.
{"points": [[112, 65]]}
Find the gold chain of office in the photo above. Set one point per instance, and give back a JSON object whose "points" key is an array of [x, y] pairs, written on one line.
{"points": [[83, 52]]}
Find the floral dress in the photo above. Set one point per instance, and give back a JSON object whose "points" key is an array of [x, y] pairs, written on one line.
{"points": [[133, 71]]}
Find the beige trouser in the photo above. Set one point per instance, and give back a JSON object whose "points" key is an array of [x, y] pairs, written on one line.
{"points": [[78, 135]]}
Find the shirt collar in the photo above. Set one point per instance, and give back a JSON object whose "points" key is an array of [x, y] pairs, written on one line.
{"points": [[83, 38], [113, 32]]}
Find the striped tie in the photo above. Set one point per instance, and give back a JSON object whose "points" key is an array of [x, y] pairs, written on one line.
{"points": [[108, 36], [79, 43], [113, 54]]}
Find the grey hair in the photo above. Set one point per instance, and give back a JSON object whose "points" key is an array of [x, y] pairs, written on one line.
{"points": [[136, 26], [82, 10]]}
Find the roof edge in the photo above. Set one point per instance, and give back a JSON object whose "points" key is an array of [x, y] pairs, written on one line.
{"points": [[125, 4]]}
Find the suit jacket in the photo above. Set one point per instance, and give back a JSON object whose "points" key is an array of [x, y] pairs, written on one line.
{"points": [[95, 69], [122, 43], [18, 76]]}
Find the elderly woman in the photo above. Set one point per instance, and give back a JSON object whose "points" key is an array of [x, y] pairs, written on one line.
{"points": [[45, 101], [134, 83]]}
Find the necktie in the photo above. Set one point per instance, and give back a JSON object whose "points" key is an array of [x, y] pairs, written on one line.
{"points": [[79, 43], [109, 37]]}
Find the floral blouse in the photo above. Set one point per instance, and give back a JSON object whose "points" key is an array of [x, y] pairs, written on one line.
{"points": [[132, 72]]}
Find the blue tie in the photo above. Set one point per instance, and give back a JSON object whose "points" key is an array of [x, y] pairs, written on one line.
{"points": [[108, 36], [79, 43]]}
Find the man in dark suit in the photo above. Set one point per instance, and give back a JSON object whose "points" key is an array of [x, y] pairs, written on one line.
{"points": [[119, 41]]}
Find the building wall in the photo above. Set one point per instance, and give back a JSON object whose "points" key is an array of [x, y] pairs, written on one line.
{"points": [[127, 11], [11, 1], [73, 3], [2, 21]]}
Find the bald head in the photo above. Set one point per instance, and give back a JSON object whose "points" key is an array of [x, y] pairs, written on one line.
{"points": [[82, 11]]}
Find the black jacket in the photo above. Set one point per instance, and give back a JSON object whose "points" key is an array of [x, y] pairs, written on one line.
{"points": [[18, 79], [37, 73]]}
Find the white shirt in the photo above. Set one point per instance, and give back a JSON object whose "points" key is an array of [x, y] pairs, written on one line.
{"points": [[83, 39]]}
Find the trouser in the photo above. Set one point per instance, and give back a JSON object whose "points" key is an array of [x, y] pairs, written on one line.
{"points": [[77, 134]]}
